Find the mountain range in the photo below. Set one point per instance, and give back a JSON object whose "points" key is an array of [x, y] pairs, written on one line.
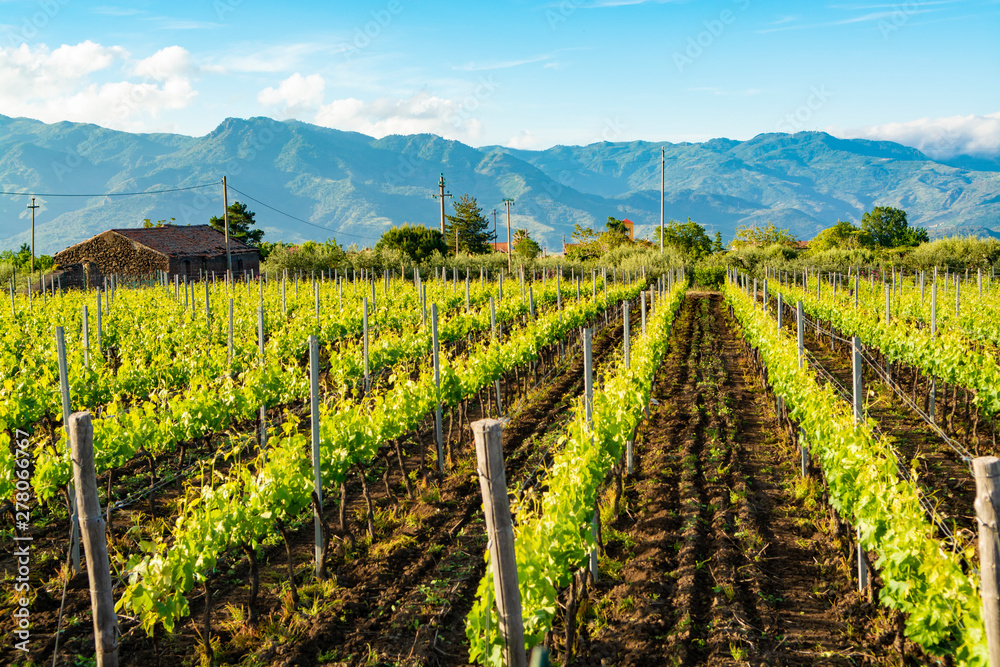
{"points": [[309, 182]]}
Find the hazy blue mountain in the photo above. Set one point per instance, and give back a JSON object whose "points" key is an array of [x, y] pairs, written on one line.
{"points": [[353, 187]]}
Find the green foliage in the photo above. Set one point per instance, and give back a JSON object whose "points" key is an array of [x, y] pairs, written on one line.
{"points": [[842, 235], [471, 226], [717, 243], [922, 577], [309, 256], [241, 223], [956, 252], [554, 541], [688, 237], [526, 248], [762, 237], [149, 224], [888, 228], [616, 226], [710, 276], [415, 242]]}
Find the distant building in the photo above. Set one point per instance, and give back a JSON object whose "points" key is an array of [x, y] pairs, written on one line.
{"points": [[802, 245], [182, 251], [501, 247], [629, 228]]}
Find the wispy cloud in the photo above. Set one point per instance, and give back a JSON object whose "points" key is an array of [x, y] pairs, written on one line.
{"points": [[871, 16], [502, 64], [108, 10], [937, 137], [727, 93]]}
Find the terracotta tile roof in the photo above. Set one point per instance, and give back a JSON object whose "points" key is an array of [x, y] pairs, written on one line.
{"points": [[175, 241], [500, 247]]}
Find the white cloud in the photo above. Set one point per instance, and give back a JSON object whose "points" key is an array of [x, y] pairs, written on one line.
{"points": [[523, 140], [421, 113], [939, 138], [295, 93], [80, 83], [169, 63]]}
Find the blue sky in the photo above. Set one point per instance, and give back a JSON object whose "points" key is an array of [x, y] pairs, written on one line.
{"points": [[522, 73]]}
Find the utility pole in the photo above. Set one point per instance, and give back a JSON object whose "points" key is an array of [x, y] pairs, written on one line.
{"points": [[442, 196], [225, 218], [663, 176], [508, 203], [33, 207], [494, 224]]}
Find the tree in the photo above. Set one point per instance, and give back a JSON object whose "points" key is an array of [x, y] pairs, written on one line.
{"points": [[241, 220], [762, 237], [474, 235], [842, 235], [717, 243], [148, 224], [688, 237], [415, 241], [888, 228], [525, 247]]}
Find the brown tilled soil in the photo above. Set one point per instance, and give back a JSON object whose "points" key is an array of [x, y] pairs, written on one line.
{"points": [[722, 555]]}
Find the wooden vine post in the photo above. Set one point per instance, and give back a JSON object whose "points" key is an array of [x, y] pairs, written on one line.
{"points": [[503, 562], [588, 387], [436, 351], [859, 416], [316, 460], [106, 632], [987, 472]]}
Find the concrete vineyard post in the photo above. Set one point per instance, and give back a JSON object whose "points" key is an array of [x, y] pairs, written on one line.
{"points": [[230, 337], [260, 347], [781, 305], [438, 432], [531, 302], [208, 310], [987, 504], [888, 321], [642, 309], [799, 331], [932, 390], [855, 294], [86, 338], [81, 437], [364, 338], [495, 333], [64, 392], [503, 563], [314, 432], [467, 300], [100, 346]]}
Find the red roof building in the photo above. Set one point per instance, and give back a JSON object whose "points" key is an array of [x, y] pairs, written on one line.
{"points": [[185, 251]]}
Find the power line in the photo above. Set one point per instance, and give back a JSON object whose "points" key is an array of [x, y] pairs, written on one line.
{"points": [[109, 194], [298, 219]]}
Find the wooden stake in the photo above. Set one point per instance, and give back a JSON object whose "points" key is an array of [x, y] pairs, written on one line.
{"points": [[314, 423], [987, 472], [106, 632], [488, 434]]}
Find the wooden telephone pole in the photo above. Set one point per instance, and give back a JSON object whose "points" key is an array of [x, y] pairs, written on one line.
{"points": [[33, 207], [663, 177], [442, 196], [508, 203], [225, 218]]}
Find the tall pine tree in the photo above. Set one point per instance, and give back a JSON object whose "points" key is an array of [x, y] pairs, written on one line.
{"points": [[474, 235]]}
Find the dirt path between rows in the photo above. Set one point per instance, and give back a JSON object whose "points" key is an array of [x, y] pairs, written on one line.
{"points": [[721, 555]]}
